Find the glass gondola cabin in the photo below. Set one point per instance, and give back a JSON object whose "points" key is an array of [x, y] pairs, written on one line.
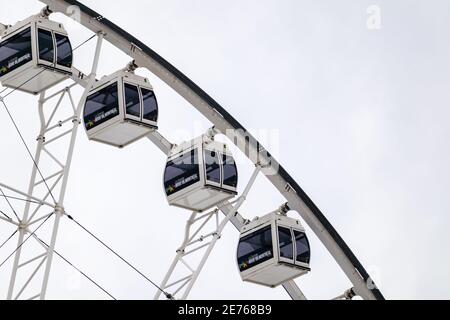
{"points": [[120, 109], [272, 250], [35, 55], [200, 174]]}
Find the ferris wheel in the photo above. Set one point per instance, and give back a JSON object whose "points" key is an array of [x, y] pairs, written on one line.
{"points": [[201, 176]]}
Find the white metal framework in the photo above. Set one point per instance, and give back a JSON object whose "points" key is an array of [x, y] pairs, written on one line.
{"points": [[38, 207], [198, 238], [194, 241]]}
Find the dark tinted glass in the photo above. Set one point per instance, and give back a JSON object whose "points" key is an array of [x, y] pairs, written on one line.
{"points": [[303, 250], [15, 52], [212, 166], [230, 174], [46, 50], [150, 105], [286, 245], [181, 172], [132, 100], [255, 248], [63, 50], [101, 106]]}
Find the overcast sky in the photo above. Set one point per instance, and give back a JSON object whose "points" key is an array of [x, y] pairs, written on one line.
{"points": [[358, 115]]}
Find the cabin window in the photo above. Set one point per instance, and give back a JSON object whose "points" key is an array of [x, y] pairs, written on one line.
{"points": [[255, 249], [46, 49], [303, 249], [15, 52], [182, 172], [286, 244], [132, 101], [64, 51], [230, 173], [101, 106], [150, 105], [212, 166]]}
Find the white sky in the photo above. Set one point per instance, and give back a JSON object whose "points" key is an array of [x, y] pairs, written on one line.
{"points": [[360, 119]]}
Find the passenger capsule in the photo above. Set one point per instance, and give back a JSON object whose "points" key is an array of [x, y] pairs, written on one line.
{"points": [[120, 109], [35, 55], [200, 174], [273, 250]]}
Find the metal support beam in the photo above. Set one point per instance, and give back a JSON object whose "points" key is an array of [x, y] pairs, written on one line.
{"points": [[59, 210], [294, 291], [22, 231], [191, 239], [58, 189], [347, 295], [3, 28], [29, 198], [163, 144]]}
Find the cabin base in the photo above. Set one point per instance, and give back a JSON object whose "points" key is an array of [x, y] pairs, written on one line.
{"points": [[273, 275], [202, 199], [34, 79], [121, 134]]}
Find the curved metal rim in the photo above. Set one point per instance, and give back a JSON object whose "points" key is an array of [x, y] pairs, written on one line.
{"points": [[138, 46]]}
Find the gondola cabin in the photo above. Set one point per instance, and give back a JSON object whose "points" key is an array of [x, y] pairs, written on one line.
{"points": [[272, 250], [35, 55], [120, 109], [200, 174]]}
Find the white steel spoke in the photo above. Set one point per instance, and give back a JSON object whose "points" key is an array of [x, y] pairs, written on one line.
{"points": [[9, 221], [31, 278], [53, 157], [55, 109], [29, 198], [32, 260], [40, 219], [34, 297]]}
